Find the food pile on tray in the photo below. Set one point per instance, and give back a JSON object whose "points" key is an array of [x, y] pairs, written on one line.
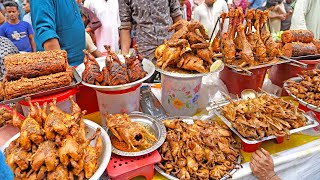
{"points": [[254, 48], [115, 72], [299, 43], [201, 150], [5, 116], [34, 72], [263, 116], [53, 145], [308, 89], [187, 51], [129, 136]]}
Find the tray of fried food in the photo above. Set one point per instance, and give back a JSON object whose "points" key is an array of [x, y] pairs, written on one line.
{"points": [[57, 144], [263, 118], [115, 72], [198, 149], [134, 134], [306, 89], [187, 52]]}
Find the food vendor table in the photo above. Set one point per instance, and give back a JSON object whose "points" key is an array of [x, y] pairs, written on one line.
{"points": [[296, 158]]}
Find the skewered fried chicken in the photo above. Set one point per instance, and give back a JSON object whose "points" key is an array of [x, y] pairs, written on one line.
{"points": [[67, 154], [133, 134], [246, 53], [273, 49], [91, 73], [202, 150], [263, 116], [215, 45], [308, 89], [249, 33], [227, 41]]}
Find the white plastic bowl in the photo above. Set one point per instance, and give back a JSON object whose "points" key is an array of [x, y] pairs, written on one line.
{"points": [[90, 129]]}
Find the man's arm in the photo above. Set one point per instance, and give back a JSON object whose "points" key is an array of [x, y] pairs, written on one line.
{"points": [[33, 44], [43, 19], [126, 26], [175, 11]]}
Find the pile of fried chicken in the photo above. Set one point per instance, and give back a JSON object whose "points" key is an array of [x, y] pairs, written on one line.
{"points": [[254, 47], [202, 150], [133, 135], [308, 89], [5, 117], [188, 48], [263, 116], [115, 72], [53, 146]]}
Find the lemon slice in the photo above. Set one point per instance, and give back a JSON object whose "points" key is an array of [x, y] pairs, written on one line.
{"points": [[215, 65]]}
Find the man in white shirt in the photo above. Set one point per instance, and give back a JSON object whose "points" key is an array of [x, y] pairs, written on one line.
{"points": [[26, 8], [209, 12], [306, 16]]}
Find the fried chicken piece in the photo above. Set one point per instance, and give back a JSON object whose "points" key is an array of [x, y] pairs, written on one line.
{"points": [[215, 45], [91, 73], [193, 63], [134, 66], [46, 153], [59, 173], [30, 132], [91, 157], [246, 53], [71, 148], [227, 41]]}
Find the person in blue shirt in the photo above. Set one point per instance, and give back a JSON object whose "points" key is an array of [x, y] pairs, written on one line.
{"points": [[19, 32], [5, 171], [256, 4], [58, 25]]}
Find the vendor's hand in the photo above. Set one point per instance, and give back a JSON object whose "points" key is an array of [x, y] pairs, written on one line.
{"points": [[262, 165]]}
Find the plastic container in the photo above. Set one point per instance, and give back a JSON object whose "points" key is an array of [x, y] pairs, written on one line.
{"points": [[179, 96], [125, 168], [63, 101], [118, 101], [282, 72], [87, 99], [236, 82]]}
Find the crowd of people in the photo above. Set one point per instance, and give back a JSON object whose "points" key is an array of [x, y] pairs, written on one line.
{"points": [[36, 25]]}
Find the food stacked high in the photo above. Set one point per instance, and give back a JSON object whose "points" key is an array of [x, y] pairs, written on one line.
{"points": [[254, 47], [298, 43], [188, 49], [54, 145], [34, 72], [115, 71]]}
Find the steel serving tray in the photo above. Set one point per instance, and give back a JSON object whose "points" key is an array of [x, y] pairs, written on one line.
{"points": [[310, 124], [148, 66], [308, 105], [150, 122], [189, 120], [75, 81]]}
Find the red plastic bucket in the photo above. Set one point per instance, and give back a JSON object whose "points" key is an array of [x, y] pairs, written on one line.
{"points": [[250, 147], [236, 82], [282, 72], [62, 99]]}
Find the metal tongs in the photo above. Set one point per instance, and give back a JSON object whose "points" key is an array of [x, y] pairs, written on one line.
{"points": [[294, 62]]}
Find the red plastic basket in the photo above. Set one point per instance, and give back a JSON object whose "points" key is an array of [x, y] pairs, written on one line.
{"points": [[125, 168]]}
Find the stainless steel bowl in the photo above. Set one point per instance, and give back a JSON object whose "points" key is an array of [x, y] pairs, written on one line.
{"points": [[149, 122]]}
